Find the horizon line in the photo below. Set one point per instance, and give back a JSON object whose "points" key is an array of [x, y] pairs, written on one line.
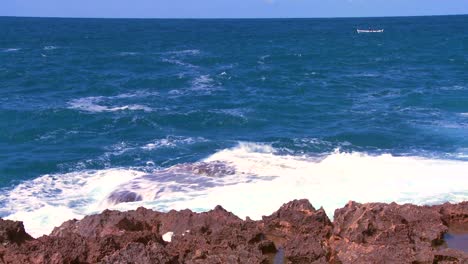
{"points": [[232, 18]]}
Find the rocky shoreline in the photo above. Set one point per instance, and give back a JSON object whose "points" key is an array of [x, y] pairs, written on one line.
{"points": [[296, 233]]}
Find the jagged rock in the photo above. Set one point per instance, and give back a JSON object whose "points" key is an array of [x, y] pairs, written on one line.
{"points": [[12, 232], [139, 253], [301, 230], [455, 216], [387, 233], [296, 233]]}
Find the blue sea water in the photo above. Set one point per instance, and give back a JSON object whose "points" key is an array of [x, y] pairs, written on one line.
{"points": [[276, 109]]}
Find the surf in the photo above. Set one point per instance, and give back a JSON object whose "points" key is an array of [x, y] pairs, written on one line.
{"points": [[250, 179]]}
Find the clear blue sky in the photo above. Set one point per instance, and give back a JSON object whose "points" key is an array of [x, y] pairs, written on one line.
{"points": [[230, 8]]}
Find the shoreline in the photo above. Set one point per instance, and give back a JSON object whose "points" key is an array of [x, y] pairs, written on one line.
{"points": [[296, 233]]}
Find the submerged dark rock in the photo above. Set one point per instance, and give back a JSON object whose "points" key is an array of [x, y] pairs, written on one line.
{"points": [[123, 197], [209, 169], [296, 233], [195, 176]]}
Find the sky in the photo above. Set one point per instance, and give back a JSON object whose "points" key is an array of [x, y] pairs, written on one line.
{"points": [[229, 8]]}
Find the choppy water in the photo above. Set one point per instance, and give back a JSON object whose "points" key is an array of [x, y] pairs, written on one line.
{"points": [[248, 114]]}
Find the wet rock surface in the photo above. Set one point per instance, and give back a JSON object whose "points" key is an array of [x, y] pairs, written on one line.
{"points": [[180, 177], [296, 233]]}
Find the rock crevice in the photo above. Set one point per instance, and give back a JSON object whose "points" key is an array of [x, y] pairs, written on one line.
{"points": [[296, 233]]}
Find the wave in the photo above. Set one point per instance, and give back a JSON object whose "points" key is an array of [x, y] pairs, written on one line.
{"points": [[50, 48], [453, 88], [183, 52], [202, 82], [11, 50], [250, 179], [172, 141], [178, 62], [91, 104], [128, 53], [261, 59], [176, 57], [364, 74], [49, 200], [200, 86]]}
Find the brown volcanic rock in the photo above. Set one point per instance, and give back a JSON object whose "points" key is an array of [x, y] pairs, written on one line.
{"points": [[455, 216], [181, 221], [12, 232], [389, 233], [217, 236], [116, 222], [110, 223], [234, 243], [140, 253], [301, 230], [72, 249], [296, 233]]}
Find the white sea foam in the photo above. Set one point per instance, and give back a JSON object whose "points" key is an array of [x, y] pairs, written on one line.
{"points": [[453, 88], [364, 74], [236, 112], [177, 62], [128, 53], [49, 200], [91, 104], [263, 181], [137, 94], [171, 142], [176, 57], [203, 82], [184, 52], [50, 47], [262, 59], [11, 50]]}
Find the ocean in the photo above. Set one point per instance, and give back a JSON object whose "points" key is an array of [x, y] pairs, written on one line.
{"points": [[248, 114]]}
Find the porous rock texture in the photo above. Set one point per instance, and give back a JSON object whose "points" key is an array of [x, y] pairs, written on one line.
{"points": [[296, 233]]}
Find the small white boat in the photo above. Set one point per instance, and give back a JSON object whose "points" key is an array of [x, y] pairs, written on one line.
{"points": [[370, 30]]}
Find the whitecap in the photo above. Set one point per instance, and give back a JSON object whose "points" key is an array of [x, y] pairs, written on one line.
{"points": [[453, 88], [183, 52], [364, 74], [128, 53], [236, 112], [177, 62], [91, 104], [172, 142], [50, 47], [262, 59], [176, 57], [11, 50], [202, 82], [137, 94]]}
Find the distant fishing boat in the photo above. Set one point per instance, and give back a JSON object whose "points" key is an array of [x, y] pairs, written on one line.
{"points": [[370, 30]]}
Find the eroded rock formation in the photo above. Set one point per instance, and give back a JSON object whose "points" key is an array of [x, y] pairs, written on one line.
{"points": [[296, 233]]}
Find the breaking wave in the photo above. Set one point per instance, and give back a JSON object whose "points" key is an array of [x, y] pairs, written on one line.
{"points": [[94, 104], [250, 179]]}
